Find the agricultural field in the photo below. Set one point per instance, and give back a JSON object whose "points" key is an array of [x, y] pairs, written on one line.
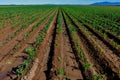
{"points": [[49, 42]]}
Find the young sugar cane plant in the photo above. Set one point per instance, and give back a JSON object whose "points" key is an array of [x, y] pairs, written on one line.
{"points": [[31, 51]]}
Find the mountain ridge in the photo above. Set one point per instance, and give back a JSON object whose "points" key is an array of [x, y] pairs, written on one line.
{"points": [[107, 3]]}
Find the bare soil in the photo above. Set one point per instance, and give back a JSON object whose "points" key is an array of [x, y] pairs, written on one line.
{"points": [[57, 56]]}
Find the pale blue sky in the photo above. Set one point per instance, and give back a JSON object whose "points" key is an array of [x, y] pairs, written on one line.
{"points": [[52, 1]]}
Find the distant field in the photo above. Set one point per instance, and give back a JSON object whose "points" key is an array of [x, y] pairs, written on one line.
{"points": [[50, 42]]}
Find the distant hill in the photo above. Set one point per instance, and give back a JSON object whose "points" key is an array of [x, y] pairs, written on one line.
{"points": [[107, 3]]}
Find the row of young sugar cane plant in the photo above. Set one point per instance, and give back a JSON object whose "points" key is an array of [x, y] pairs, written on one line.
{"points": [[82, 27], [61, 69], [100, 30], [114, 40], [98, 52], [26, 24], [18, 28], [14, 16], [59, 27], [28, 34], [85, 62], [97, 20], [111, 13], [106, 23], [32, 51], [17, 15], [37, 25], [7, 16], [106, 13]]}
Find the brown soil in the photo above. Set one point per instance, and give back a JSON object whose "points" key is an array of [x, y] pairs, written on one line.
{"points": [[42, 57], [60, 51], [8, 29], [106, 41], [100, 56], [18, 38], [13, 60], [64, 58], [108, 54], [18, 56], [58, 57], [4, 31], [71, 66], [111, 35], [87, 73], [4, 35], [5, 49]]}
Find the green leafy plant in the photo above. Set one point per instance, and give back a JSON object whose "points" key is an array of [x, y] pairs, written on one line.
{"points": [[98, 77], [11, 36], [105, 35], [16, 47], [20, 71], [73, 28], [26, 64], [57, 44], [82, 55], [87, 65], [79, 49], [31, 51], [60, 71], [59, 29], [24, 36]]}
